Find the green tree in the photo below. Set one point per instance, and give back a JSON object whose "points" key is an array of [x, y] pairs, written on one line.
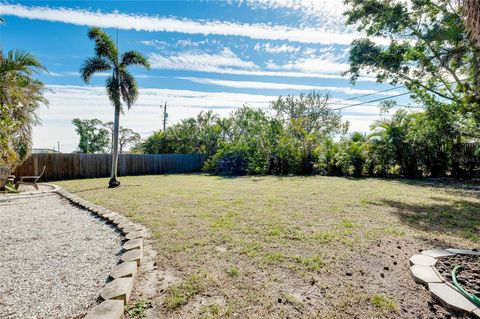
{"points": [[121, 85], [425, 47], [394, 132], [94, 138], [352, 154], [20, 97], [309, 119], [126, 136]]}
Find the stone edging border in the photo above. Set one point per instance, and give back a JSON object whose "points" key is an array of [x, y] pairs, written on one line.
{"points": [[116, 293], [423, 271]]}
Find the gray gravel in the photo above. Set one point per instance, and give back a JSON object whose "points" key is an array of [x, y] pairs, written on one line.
{"points": [[55, 258]]}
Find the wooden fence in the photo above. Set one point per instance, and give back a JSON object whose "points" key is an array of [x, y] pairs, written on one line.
{"points": [[74, 166]]}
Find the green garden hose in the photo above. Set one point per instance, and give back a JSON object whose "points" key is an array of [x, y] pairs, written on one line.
{"points": [[473, 298]]}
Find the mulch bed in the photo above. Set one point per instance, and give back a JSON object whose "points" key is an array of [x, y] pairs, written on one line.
{"points": [[468, 276]]}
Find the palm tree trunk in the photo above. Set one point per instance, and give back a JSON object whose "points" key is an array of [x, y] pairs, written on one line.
{"points": [[116, 123]]}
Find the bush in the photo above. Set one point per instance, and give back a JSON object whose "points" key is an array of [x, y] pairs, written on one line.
{"points": [[229, 160]]}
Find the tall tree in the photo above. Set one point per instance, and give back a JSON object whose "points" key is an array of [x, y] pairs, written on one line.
{"points": [[121, 85], [471, 14], [94, 138], [423, 45], [20, 97], [126, 136]]}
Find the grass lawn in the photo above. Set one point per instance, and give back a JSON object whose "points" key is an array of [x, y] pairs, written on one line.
{"points": [[290, 247]]}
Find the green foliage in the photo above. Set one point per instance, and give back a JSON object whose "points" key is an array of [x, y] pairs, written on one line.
{"points": [[351, 154], [233, 271], [20, 97], [250, 141], [423, 45], [10, 188], [383, 303], [138, 309], [229, 160], [94, 138]]}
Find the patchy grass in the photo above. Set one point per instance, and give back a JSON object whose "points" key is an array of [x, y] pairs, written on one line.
{"points": [[181, 294], [327, 242], [233, 271], [383, 303]]}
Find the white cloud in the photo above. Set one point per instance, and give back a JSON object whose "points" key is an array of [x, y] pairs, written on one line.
{"points": [[201, 61], [332, 8], [314, 65], [155, 43], [227, 62], [281, 86], [76, 74], [319, 35], [270, 48]]}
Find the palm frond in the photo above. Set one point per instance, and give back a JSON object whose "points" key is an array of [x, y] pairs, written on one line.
{"points": [[134, 58], [129, 88], [113, 91], [92, 66], [20, 61], [104, 44]]}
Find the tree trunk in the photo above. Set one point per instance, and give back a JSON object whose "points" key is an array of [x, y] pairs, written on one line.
{"points": [[116, 124]]}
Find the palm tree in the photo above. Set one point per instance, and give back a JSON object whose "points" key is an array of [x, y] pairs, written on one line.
{"points": [[471, 15], [20, 97], [121, 85]]}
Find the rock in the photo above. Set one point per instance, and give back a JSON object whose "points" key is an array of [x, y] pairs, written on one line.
{"points": [[109, 309]]}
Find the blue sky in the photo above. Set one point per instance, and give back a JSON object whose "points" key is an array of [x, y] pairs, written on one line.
{"points": [[205, 55]]}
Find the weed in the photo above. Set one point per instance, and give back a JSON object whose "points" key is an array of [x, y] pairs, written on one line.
{"points": [[273, 258], [181, 294], [383, 303], [210, 311], [138, 309], [313, 264], [251, 249], [323, 237], [347, 223], [233, 271]]}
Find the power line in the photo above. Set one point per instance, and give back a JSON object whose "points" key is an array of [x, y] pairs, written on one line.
{"points": [[375, 93], [371, 101], [376, 100]]}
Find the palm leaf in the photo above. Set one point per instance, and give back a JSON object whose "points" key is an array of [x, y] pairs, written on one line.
{"points": [[20, 61], [104, 44], [129, 88], [134, 58], [92, 66], [113, 91]]}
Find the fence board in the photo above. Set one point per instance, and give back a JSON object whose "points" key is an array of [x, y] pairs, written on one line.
{"points": [[74, 166]]}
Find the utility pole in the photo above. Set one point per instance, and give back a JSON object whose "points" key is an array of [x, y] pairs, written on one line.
{"points": [[165, 117], [58, 146]]}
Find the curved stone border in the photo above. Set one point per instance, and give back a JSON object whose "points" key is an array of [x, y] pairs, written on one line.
{"points": [[117, 292], [423, 271]]}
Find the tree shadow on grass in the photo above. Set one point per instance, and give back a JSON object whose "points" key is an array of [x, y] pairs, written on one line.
{"points": [[443, 183], [100, 188], [459, 217]]}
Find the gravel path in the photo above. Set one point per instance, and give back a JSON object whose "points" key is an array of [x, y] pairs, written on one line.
{"points": [[55, 258]]}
